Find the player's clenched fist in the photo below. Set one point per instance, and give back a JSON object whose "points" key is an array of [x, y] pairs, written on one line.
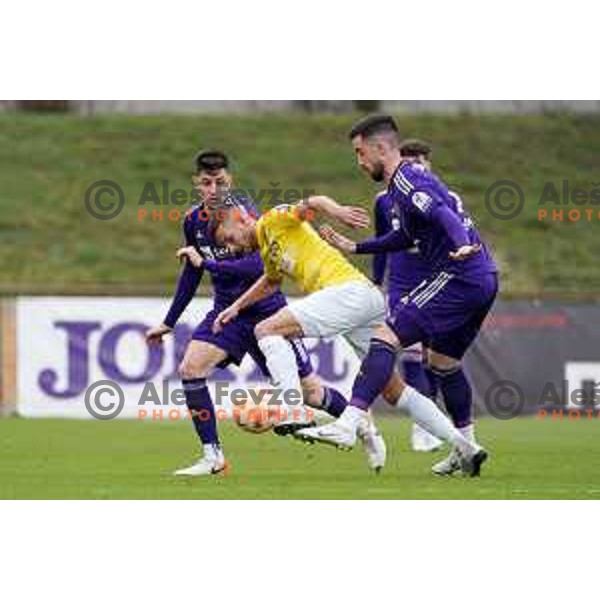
{"points": [[229, 314], [154, 335], [191, 254]]}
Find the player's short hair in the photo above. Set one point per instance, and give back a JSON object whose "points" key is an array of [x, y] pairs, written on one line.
{"points": [[210, 161], [373, 125], [415, 148], [219, 216]]}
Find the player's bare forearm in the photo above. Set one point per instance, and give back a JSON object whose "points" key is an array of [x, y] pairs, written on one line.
{"points": [[261, 289], [323, 204], [337, 240], [353, 216]]}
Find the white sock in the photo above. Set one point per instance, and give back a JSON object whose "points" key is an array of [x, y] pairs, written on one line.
{"points": [[212, 451], [354, 416], [469, 432], [281, 362], [432, 419]]}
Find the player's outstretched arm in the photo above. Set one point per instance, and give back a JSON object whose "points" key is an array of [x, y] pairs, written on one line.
{"points": [[390, 242], [188, 283], [353, 216], [337, 240], [154, 335], [248, 266], [259, 291]]}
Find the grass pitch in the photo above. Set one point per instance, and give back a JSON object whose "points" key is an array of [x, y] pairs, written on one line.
{"points": [[49, 162], [133, 460]]}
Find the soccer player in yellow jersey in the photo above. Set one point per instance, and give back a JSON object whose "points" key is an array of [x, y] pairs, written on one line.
{"points": [[340, 300]]}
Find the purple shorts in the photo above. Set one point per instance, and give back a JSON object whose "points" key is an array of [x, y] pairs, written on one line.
{"points": [[407, 271], [237, 338], [444, 312]]}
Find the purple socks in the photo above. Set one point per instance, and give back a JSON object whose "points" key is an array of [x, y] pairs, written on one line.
{"points": [[199, 403], [457, 393], [374, 374]]}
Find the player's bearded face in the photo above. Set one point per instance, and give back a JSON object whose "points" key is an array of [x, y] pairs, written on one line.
{"points": [[368, 159]]}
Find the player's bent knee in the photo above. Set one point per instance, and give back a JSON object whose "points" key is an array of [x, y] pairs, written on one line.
{"points": [[265, 328], [440, 363], [385, 334], [394, 388], [188, 369], [199, 360], [413, 353]]}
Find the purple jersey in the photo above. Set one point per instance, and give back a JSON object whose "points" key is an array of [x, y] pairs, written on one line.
{"points": [[431, 219], [231, 274], [405, 268]]}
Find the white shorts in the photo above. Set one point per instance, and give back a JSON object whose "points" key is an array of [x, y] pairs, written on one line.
{"points": [[350, 309]]}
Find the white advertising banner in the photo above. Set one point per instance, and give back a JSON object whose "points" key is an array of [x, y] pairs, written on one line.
{"points": [[81, 357]]}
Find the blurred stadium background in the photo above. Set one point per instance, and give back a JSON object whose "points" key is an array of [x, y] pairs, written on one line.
{"points": [[77, 292]]}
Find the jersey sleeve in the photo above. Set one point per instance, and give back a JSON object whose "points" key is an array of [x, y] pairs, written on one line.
{"points": [[248, 266], [187, 284], [390, 242], [426, 206]]}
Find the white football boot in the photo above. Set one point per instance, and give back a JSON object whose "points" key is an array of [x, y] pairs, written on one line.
{"points": [[469, 464], [373, 444], [449, 465], [339, 434], [342, 433], [423, 441], [291, 426], [212, 463]]}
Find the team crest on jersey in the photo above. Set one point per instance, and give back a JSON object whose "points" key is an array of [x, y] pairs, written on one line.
{"points": [[422, 201]]}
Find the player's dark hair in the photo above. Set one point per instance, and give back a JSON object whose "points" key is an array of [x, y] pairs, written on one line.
{"points": [[374, 125], [415, 148], [210, 161]]}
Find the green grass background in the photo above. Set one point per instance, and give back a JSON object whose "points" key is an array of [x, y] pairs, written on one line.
{"points": [[52, 245], [134, 460]]}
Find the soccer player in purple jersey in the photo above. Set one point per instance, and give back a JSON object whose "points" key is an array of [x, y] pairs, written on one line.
{"points": [[445, 311], [405, 269], [453, 383], [231, 276]]}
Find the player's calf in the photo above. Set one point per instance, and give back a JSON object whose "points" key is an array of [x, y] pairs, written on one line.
{"points": [[200, 358]]}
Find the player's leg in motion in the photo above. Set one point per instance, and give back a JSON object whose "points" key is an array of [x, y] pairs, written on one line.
{"points": [[458, 398], [314, 393], [377, 375], [333, 403], [456, 391], [199, 360], [413, 368], [272, 335], [323, 397]]}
